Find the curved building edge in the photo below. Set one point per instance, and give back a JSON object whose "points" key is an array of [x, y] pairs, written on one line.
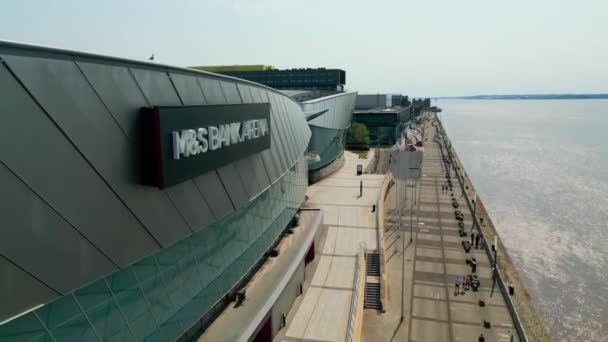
{"points": [[330, 129], [87, 248]]}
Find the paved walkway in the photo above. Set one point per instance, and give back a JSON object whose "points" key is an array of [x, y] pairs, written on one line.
{"points": [[433, 311], [322, 313]]}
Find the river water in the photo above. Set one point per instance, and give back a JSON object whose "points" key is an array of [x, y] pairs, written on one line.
{"points": [[541, 169]]}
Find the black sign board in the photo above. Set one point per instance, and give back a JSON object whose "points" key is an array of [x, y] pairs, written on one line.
{"points": [[183, 142]]}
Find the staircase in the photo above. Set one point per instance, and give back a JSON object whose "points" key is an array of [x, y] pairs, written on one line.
{"points": [[372, 296], [372, 264], [372, 288]]}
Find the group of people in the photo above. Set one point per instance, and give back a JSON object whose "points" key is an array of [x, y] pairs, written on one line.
{"points": [[462, 284], [476, 239], [444, 188]]}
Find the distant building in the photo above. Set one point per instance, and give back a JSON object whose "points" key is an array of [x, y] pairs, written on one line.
{"points": [[419, 105], [369, 101], [384, 124], [301, 78], [232, 68], [384, 115]]}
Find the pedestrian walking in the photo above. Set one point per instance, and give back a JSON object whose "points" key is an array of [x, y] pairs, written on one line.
{"points": [[361, 189], [477, 238], [472, 238], [456, 286]]}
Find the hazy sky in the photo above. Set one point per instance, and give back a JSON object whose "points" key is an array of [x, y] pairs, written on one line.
{"points": [[420, 48]]}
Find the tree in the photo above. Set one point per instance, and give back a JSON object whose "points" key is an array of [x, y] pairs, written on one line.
{"points": [[359, 133]]}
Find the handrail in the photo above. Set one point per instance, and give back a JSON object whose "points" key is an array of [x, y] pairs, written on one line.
{"points": [[353, 328], [503, 288], [353, 304], [380, 240]]}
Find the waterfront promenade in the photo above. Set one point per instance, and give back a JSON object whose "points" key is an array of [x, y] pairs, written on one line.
{"points": [[433, 311], [322, 312]]}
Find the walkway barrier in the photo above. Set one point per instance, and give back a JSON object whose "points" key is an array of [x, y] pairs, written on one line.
{"points": [[518, 325], [355, 319], [386, 186]]}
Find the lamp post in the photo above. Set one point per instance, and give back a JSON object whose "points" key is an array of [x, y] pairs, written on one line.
{"points": [[414, 177]]}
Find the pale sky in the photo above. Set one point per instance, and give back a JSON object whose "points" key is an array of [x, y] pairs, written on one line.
{"points": [[418, 48]]}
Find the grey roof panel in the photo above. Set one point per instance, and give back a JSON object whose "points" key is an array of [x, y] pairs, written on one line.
{"points": [[102, 218], [18, 290]]}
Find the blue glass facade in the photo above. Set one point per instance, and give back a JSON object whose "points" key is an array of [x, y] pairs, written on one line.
{"points": [[329, 129], [327, 143], [163, 295]]}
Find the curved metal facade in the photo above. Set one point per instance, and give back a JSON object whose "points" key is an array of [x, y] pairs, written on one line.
{"points": [[74, 213], [329, 130]]}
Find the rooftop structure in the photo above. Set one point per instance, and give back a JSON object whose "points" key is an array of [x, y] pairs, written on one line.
{"points": [[297, 79], [235, 68]]}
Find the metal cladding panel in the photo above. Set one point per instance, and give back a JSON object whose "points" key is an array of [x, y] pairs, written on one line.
{"points": [[340, 110], [233, 184], [215, 194], [120, 93], [305, 132], [83, 112], [253, 174], [212, 91], [275, 151], [256, 94], [290, 117], [253, 164], [294, 154], [187, 196], [68, 179], [300, 125], [157, 87], [191, 204], [231, 92], [69, 259], [273, 167], [292, 151], [188, 89], [18, 290], [278, 146], [245, 93]]}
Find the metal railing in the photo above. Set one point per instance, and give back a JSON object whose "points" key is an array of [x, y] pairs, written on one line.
{"points": [[379, 237], [355, 304], [518, 325]]}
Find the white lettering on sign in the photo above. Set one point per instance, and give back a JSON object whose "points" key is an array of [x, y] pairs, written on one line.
{"points": [[190, 142]]}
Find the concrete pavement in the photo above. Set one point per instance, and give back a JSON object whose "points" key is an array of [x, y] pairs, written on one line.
{"points": [[322, 312], [433, 310]]}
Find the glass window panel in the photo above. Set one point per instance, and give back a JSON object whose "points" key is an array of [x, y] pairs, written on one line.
{"points": [[21, 329], [158, 299], [132, 304], [122, 336], [167, 332], [42, 338], [143, 326], [146, 269], [59, 311], [122, 280], [94, 294], [106, 319], [77, 329]]}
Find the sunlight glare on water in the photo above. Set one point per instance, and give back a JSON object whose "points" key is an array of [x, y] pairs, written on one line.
{"points": [[541, 168]]}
